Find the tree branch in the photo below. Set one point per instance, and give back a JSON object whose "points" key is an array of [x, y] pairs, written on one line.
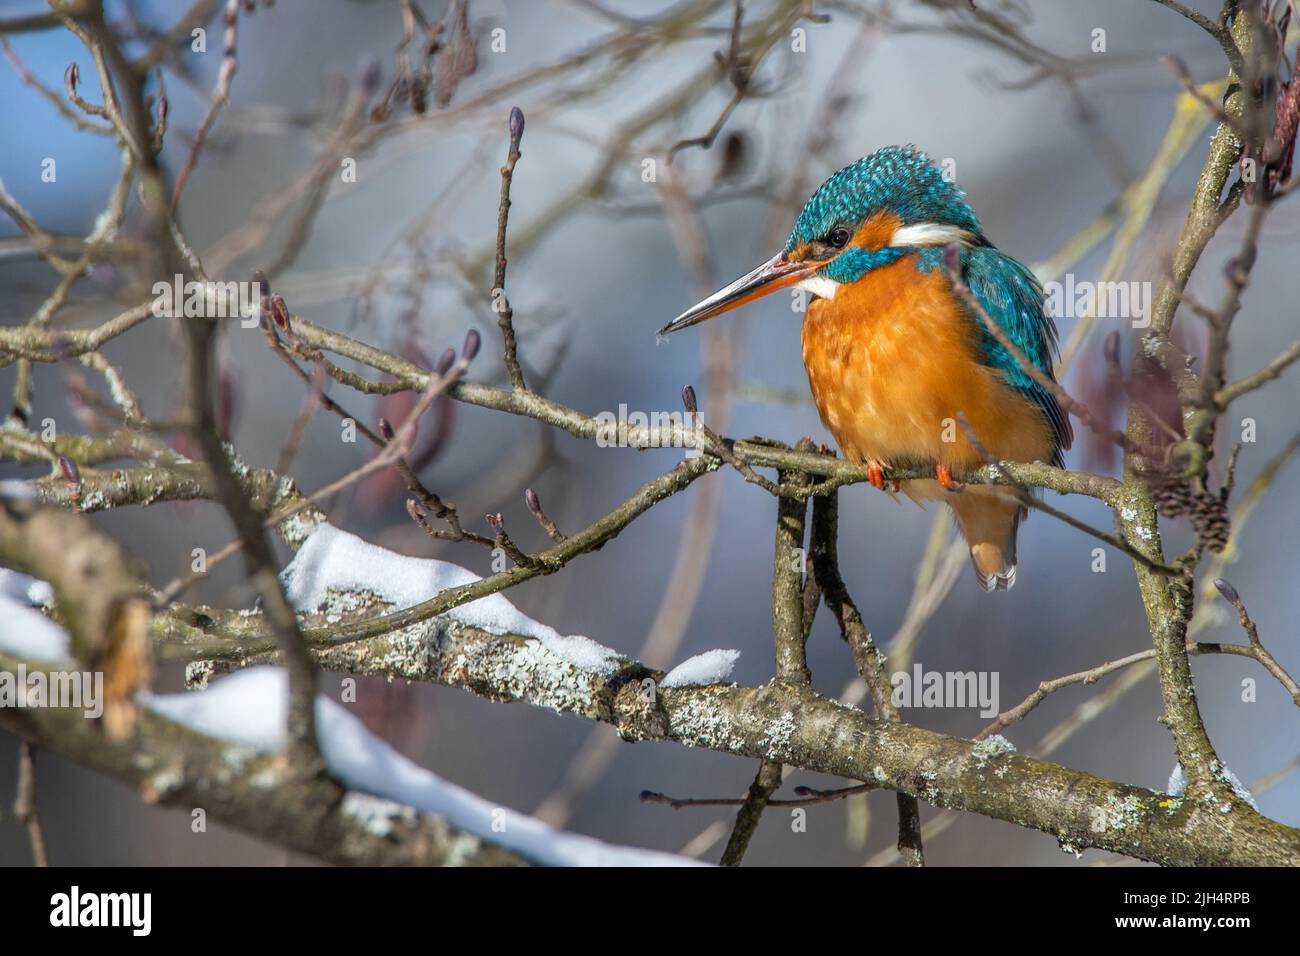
{"points": [[794, 725]]}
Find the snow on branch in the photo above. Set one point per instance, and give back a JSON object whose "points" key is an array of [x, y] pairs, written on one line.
{"points": [[249, 710], [795, 726], [265, 753], [334, 561], [711, 667]]}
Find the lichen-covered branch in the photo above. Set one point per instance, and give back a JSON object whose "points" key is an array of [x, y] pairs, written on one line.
{"points": [[794, 725], [169, 765]]}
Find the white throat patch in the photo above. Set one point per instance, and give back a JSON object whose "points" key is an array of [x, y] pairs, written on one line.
{"points": [[819, 286]]}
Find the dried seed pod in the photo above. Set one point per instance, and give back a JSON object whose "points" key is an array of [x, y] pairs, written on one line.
{"points": [[1173, 497], [1211, 521]]}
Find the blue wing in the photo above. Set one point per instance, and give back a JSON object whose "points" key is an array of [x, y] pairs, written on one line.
{"points": [[1012, 297]]}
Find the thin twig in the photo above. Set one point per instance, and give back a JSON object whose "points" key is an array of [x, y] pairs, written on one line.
{"points": [[220, 97], [806, 797], [751, 810], [25, 803], [505, 314], [1257, 649]]}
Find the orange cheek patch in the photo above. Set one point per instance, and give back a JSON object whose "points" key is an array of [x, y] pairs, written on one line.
{"points": [[876, 231]]}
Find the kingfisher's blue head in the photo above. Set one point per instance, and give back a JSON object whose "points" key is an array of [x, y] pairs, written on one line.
{"points": [[869, 214]]}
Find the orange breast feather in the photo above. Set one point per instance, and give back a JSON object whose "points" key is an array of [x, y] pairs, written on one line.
{"points": [[891, 361]]}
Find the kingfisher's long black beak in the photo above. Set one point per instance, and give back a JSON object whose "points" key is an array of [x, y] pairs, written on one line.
{"points": [[776, 273]]}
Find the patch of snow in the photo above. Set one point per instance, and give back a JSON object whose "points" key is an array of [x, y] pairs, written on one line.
{"points": [[250, 709], [24, 588], [25, 631], [331, 558], [582, 652], [711, 667], [1177, 785], [15, 489]]}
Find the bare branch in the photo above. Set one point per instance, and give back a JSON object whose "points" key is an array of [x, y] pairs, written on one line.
{"points": [[505, 314]]}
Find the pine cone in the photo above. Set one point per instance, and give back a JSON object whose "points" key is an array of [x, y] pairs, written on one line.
{"points": [[1172, 496], [1211, 521]]}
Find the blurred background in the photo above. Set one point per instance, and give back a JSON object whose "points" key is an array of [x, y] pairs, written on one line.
{"points": [[1045, 132]]}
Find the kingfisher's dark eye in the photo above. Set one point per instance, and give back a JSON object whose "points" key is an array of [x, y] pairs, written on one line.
{"points": [[839, 238]]}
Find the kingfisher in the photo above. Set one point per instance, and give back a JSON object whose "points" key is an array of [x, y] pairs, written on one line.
{"points": [[904, 374]]}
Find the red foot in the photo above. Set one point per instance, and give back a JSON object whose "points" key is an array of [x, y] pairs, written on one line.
{"points": [[895, 485], [944, 474], [876, 475]]}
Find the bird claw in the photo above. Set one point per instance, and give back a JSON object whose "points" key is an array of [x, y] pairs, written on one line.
{"points": [[944, 474], [876, 475]]}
